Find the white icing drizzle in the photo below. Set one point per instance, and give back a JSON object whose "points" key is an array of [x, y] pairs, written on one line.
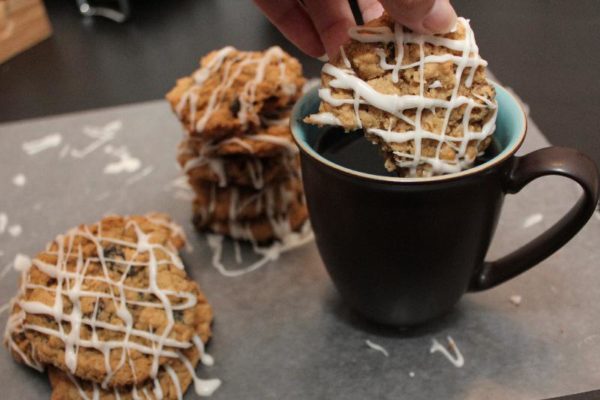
{"points": [[74, 283], [231, 67], [217, 164], [47, 142], [456, 359], [203, 387], [325, 118], [289, 241], [126, 162], [283, 142], [256, 173], [175, 380], [345, 58], [100, 135], [377, 347], [205, 358], [395, 105]]}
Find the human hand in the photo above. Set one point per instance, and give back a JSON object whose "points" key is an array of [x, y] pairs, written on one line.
{"points": [[319, 27]]}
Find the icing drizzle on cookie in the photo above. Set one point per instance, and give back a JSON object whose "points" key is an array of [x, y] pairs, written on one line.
{"points": [[229, 64], [363, 94], [217, 165], [289, 240], [75, 281]]}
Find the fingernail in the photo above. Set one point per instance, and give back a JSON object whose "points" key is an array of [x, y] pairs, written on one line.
{"points": [[373, 12], [323, 58], [441, 17]]}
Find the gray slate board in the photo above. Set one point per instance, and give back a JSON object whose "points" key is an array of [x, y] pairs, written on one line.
{"points": [[281, 332]]}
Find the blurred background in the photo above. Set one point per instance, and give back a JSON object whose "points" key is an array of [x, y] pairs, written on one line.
{"points": [[548, 51]]}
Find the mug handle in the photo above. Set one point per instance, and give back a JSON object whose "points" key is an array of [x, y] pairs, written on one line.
{"points": [[548, 161]]}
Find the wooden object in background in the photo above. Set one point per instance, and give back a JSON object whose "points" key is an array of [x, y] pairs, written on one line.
{"points": [[23, 23]]}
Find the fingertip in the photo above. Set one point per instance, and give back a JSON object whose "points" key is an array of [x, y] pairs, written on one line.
{"points": [[315, 49], [335, 36], [371, 11], [441, 18]]}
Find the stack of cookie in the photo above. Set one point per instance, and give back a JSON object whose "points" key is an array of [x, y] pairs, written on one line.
{"points": [[238, 151], [110, 311]]}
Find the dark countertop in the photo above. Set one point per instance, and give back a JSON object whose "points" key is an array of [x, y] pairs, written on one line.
{"points": [[547, 51]]}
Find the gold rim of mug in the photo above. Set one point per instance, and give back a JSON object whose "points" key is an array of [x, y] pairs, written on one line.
{"points": [[438, 178]]}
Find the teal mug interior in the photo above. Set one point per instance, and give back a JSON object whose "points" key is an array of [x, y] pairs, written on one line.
{"points": [[511, 125]]}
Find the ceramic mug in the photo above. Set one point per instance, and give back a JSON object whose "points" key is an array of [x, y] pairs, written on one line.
{"points": [[402, 251]]}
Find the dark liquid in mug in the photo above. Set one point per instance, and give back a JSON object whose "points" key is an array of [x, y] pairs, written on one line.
{"points": [[353, 151]]}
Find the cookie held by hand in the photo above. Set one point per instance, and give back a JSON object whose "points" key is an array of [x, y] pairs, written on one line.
{"points": [[424, 99]]}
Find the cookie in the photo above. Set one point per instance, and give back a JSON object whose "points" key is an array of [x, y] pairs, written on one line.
{"points": [[172, 380], [233, 89], [239, 170], [108, 302], [424, 99], [260, 230], [269, 141], [213, 203]]}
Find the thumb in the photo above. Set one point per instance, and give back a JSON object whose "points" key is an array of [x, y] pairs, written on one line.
{"points": [[423, 16]]}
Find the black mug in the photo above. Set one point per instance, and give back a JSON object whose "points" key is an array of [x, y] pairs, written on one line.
{"points": [[402, 251]]}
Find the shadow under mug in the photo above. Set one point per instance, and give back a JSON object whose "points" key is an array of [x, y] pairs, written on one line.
{"points": [[402, 251]]}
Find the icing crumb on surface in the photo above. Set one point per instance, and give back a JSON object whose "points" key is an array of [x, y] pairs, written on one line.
{"points": [[19, 180], [456, 358], [100, 135], [377, 347], [38, 145], [532, 220], [15, 230], [126, 162], [516, 299]]}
